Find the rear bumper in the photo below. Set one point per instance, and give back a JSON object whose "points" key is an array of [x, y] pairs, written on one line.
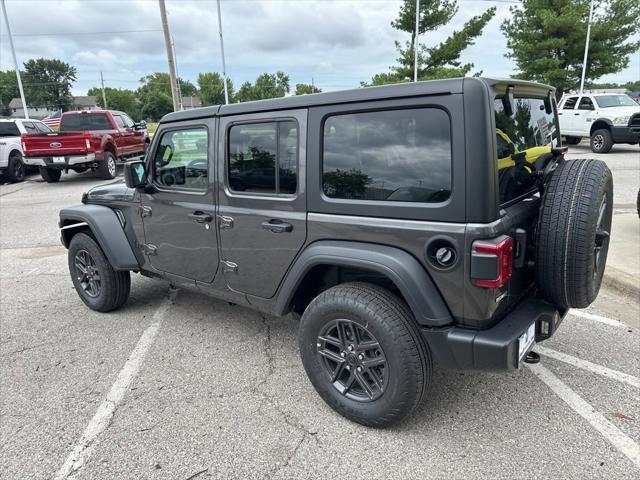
{"points": [[497, 347], [56, 163], [626, 134]]}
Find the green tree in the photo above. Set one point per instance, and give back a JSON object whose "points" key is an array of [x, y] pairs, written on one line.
{"points": [[546, 39], [159, 82], [306, 88], [267, 85], [211, 87], [8, 90], [48, 83], [119, 99], [155, 106], [440, 61]]}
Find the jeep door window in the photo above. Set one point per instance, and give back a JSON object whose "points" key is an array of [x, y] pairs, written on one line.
{"points": [[390, 155], [263, 157], [532, 132], [181, 160], [84, 122]]}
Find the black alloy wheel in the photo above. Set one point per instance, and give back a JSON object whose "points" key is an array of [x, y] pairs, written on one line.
{"points": [[87, 273], [354, 360]]}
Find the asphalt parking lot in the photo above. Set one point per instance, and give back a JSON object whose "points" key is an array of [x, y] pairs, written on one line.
{"points": [[180, 386]]}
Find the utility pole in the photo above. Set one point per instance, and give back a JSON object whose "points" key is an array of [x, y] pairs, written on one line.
{"points": [[415, 43], [172, 67], [175, 61], [104, 96], [586, 47], [15, 60], [224, 67]]}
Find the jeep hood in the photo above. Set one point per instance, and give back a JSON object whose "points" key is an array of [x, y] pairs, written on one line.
{"points": [[114, 192]]}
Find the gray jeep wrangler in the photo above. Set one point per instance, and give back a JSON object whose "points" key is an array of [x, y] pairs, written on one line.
{"points": [[431, 223]]}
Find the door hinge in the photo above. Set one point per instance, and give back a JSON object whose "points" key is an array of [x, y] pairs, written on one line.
{"points": [[144, 211], [228, 266], [150, 249], [225, 222]]}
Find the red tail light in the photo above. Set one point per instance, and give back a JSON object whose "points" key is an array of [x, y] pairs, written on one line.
{"points": [[88, 142], [492, 262], [24, 145]]}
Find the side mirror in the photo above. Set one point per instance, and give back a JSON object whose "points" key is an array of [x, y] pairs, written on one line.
{"points": [[135, 174], [548, 103], [141, 125]]}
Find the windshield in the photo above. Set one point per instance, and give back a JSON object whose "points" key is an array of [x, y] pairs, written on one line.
{"points": [[9, 129], [606, 101], [84, 121]]}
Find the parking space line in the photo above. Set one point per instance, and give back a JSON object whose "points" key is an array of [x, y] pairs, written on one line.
{"points": [[598, 318], [104, 415], [592, 367], [616, 437]]}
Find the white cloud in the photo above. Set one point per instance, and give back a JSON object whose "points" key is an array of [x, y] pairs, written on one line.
{"points": [[338, 43]]}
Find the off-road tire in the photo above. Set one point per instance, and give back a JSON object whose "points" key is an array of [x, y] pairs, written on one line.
{"points": [[107, 168], [575, 217], [601, 141], [392, 324], [15, 168], [573, 140], [114, 285], [50, 175]]}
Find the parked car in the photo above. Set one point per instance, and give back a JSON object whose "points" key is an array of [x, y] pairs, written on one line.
{"points": [[401, 238], [604, 118], [11, 160], [93, 140]]}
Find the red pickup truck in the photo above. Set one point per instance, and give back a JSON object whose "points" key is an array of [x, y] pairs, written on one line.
{"points": [[94, 139]]}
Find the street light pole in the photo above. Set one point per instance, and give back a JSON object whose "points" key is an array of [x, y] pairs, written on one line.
{"points": [[586, 47], [15, 60], [415, 43], [224, 67]]}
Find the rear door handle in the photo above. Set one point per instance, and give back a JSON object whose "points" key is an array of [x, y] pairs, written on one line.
{"points": [[277, 226], [200, 217]]}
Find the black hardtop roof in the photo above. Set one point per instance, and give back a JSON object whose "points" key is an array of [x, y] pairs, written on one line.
{"points": [[400, 90]]}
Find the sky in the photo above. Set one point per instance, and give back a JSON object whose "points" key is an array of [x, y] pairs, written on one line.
{"points": [[337, 43]]}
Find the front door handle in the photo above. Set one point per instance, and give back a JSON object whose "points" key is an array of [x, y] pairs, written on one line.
{"points": [[277, 226], [200, 217]]}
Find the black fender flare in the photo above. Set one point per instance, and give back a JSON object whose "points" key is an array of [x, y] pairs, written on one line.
{"points": [[106, 228], [403, 269], [599, 121]]}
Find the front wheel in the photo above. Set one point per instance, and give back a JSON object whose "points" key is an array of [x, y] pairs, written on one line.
{"points": [[99, 286], [364, 354], [601, 141], [49, 175], [15, 168]]}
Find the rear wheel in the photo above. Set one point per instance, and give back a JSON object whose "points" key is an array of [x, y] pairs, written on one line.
{"points": [[107, 168], [601, 141], [573, 140], [572, 236], [364, 354], [15, 168], [49, 175], [99, 286]]}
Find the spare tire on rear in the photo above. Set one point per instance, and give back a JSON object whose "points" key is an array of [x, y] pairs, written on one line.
{"points": [[572, 236]]}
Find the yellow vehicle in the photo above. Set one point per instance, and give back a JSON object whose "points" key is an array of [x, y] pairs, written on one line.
{"points": [[507, 150]]}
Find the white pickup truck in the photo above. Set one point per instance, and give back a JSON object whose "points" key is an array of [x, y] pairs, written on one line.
{"points": [[605, 118], [11, 164]]}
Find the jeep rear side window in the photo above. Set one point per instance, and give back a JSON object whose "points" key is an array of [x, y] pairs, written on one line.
{"points": [[530, 132], [263, 157], [181, 160], [389, 155]]}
